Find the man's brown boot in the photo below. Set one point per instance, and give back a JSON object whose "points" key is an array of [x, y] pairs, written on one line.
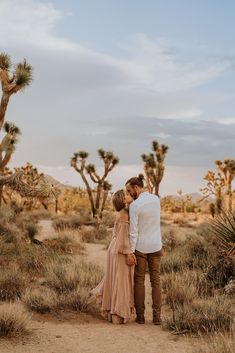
{"points": [[157, 318], [140, 319]]}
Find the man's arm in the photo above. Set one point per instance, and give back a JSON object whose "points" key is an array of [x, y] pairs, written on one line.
{"points": [[134, 232]]}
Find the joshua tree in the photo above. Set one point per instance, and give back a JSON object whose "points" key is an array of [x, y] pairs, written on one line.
{"points": [[185, 199], [214, 187], [15, 182], [226, 170], [7, 147], [154, 166], [79, 163], [31, 176], [12, 81]]}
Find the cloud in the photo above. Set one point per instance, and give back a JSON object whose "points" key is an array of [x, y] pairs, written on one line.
{"points": [[226, 121], [82, 98], [143, 64]]}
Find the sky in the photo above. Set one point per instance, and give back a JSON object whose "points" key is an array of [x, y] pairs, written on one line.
{"points": [[119, 74]]}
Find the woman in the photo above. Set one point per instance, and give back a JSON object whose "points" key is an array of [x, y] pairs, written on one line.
{"points": [[115, 293]]}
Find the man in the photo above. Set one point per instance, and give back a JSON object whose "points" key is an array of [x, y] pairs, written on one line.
{"points": [[146, 245]]}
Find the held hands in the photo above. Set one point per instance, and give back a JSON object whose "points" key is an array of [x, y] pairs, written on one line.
{"points": [[131, 259]]}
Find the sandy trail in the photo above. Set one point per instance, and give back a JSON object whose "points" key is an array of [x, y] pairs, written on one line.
{"points": [[81, 333]]}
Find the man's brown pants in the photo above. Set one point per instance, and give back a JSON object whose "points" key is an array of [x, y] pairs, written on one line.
{"points": [[153, 260]]}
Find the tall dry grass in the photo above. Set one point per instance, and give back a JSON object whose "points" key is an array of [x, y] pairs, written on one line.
{"points": [[14, 319]]}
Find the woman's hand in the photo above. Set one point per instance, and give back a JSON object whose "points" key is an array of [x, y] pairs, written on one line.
{"points": [[130, 259]]}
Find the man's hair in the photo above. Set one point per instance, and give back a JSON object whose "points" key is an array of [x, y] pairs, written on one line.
{"points": [[136, 181], [119, 200]]}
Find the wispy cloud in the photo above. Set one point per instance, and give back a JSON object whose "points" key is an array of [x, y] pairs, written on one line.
{"points": [[143, 64]]}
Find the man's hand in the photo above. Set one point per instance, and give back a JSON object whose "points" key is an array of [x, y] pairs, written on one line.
{"points": [[130, 259]]}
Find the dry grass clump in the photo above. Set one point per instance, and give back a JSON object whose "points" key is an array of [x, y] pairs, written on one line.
{"points": [[220, 343], [30, 258], [99, 234], [7, 214], [77, 300], [31, 231], [67, 277], [213, 315], [42, 299], [175, 261], [12, 283], [73, 282], [65, 243], [180, 288], [170, 239], [9, 233], [70, 222], [181, 221], [14, 319]]}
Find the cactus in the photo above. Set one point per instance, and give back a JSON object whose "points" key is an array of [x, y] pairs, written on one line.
{"points": [[154, 166], [98, 198]]}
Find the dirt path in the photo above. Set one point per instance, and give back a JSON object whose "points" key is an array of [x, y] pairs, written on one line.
{"points": [[81, 333], [45, 229]]}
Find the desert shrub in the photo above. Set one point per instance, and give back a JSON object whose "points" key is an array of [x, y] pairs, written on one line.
{"points": [[108, 218], [221, 271], [220, 343], [198, 250], [176, 260], [14, 319], [170, 239], [41, 300], [98, 234], [180, 288], [181, 221], [70, 222], [77, 300], [32, 230], [229, 289], [65, 243], [23, 219], [205, 288], [72, 282], [9, 233], [7, 214], [29, 257], [213, 315], [66, 278], [12, 283]]}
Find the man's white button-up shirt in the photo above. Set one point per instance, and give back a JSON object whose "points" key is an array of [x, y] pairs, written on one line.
{"points": [[145, 233]]}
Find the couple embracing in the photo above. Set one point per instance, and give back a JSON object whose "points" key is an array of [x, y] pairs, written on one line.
{"points": [[136, 243]]}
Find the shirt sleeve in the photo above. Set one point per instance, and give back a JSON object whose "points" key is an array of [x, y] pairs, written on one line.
{"points": [[133, 226]]}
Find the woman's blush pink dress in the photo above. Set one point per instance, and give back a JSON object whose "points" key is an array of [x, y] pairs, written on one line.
{"points": [[115, 293]]}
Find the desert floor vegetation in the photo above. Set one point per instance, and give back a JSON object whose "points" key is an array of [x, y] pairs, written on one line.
{"points": [[198, 279]]}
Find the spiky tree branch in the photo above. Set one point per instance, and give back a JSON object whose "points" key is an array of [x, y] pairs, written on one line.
{"points": [[12, 81], [154, 166], [78, 162]]}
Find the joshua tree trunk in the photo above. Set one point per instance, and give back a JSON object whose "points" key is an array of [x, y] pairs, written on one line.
{"points": [[230, 197], [3, 107]]}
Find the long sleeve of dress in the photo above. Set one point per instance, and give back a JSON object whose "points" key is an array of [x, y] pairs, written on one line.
{"points": [[122, 245]]}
